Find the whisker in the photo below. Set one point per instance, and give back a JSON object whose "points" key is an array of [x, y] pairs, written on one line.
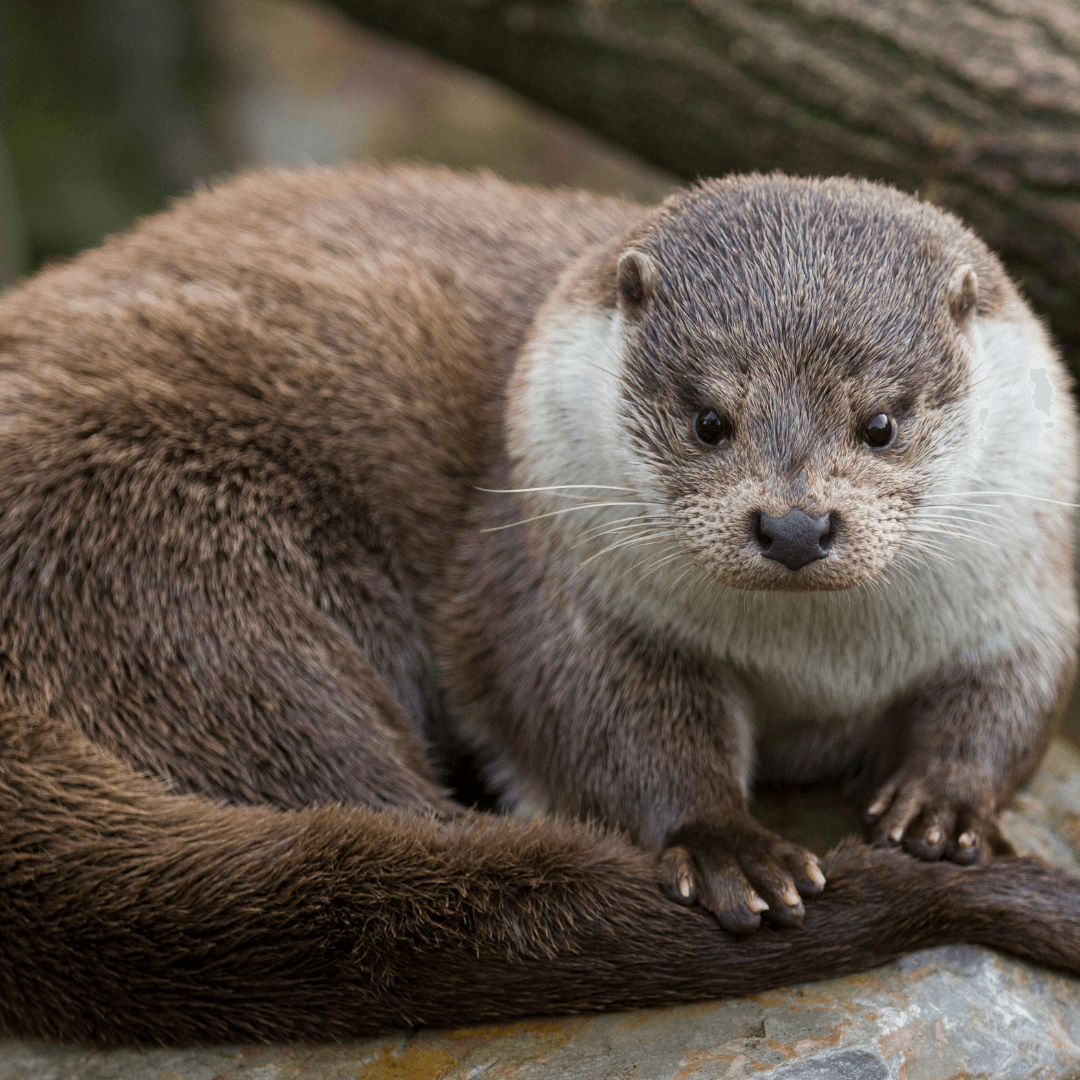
{"points": [[647, 531], [557, 513], [653, 567], [955, 534], [936, 545], [929, 549], [965, 520], [693, 575], [599, 368], [553, 487], [643, 540], [928, 543], [599, 531], [898, 565], [987, 509], [635, 521], [1017, 495], [957, 506]]}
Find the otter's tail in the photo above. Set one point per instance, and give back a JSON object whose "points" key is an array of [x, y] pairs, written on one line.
{"points": [[131, 915]]}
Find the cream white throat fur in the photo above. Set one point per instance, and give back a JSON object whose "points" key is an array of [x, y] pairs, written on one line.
{"points": [[835, 657]]}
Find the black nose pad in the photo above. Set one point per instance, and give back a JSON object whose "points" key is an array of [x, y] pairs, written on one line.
{"points": [[794, 539]]}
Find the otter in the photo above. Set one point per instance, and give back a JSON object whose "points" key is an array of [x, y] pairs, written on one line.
{"points": [[319, 482]]}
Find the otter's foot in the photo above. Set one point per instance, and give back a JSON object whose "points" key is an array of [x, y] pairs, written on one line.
{"points": [[927, 813], [739, 871]]}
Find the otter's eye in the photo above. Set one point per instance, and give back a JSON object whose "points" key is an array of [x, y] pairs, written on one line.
{"points": [[879, 431], [710, 428]]}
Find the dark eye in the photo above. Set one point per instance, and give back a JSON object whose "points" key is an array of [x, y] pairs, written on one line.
{"points": [[710, 428], [879, 431]]}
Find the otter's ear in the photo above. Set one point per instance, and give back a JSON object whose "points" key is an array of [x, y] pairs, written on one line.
{"points": [[963, 294], [635, 279]]}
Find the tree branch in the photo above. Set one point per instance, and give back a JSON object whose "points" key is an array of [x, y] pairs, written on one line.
{"points": [[973, 103]]}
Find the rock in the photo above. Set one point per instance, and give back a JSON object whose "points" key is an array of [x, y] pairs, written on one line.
{"points": [[957, 1011]]}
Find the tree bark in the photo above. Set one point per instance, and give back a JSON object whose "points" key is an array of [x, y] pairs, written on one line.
{"points": [[974, 104]]}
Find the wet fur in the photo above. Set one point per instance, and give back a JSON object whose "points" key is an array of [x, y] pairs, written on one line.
{"points": [[247, 607]]}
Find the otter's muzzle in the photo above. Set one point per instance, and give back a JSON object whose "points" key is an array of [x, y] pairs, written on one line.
{"points": [[795, 539]]}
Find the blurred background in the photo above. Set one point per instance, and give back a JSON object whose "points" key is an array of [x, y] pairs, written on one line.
{"points": [[108, 108]]}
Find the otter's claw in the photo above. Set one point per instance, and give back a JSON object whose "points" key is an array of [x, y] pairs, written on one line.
{"points": [[933, 822], [740, 873]]}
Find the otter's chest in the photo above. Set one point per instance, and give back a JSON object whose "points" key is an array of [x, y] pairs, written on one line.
{"points": [[813, 669], [840, 657]]}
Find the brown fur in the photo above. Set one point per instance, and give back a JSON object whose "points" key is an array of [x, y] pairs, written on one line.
{"points": [[795, 308], [240, 453]]}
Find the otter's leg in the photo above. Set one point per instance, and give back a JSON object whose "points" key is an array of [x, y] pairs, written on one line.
{"points": [[957, 748], [253, 695], [131, 915], [597, 719]]}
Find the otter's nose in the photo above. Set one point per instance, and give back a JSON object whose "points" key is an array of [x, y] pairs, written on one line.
{"points": [[794, 539]]}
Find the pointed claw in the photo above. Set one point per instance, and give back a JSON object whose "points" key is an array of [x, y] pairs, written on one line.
{"points": [[789, 896]]}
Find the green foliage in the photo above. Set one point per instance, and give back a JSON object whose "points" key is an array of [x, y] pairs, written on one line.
{"points": [[99, 115]]}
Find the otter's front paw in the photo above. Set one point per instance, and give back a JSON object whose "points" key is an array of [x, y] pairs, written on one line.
{"points": [[739, 871], [929, 814]]}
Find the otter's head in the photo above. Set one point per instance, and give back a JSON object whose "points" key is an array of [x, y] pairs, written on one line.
{"points": [[793, 361]]}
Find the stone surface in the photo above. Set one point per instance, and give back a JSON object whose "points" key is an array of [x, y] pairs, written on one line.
{"points": [[958, 1011]]}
